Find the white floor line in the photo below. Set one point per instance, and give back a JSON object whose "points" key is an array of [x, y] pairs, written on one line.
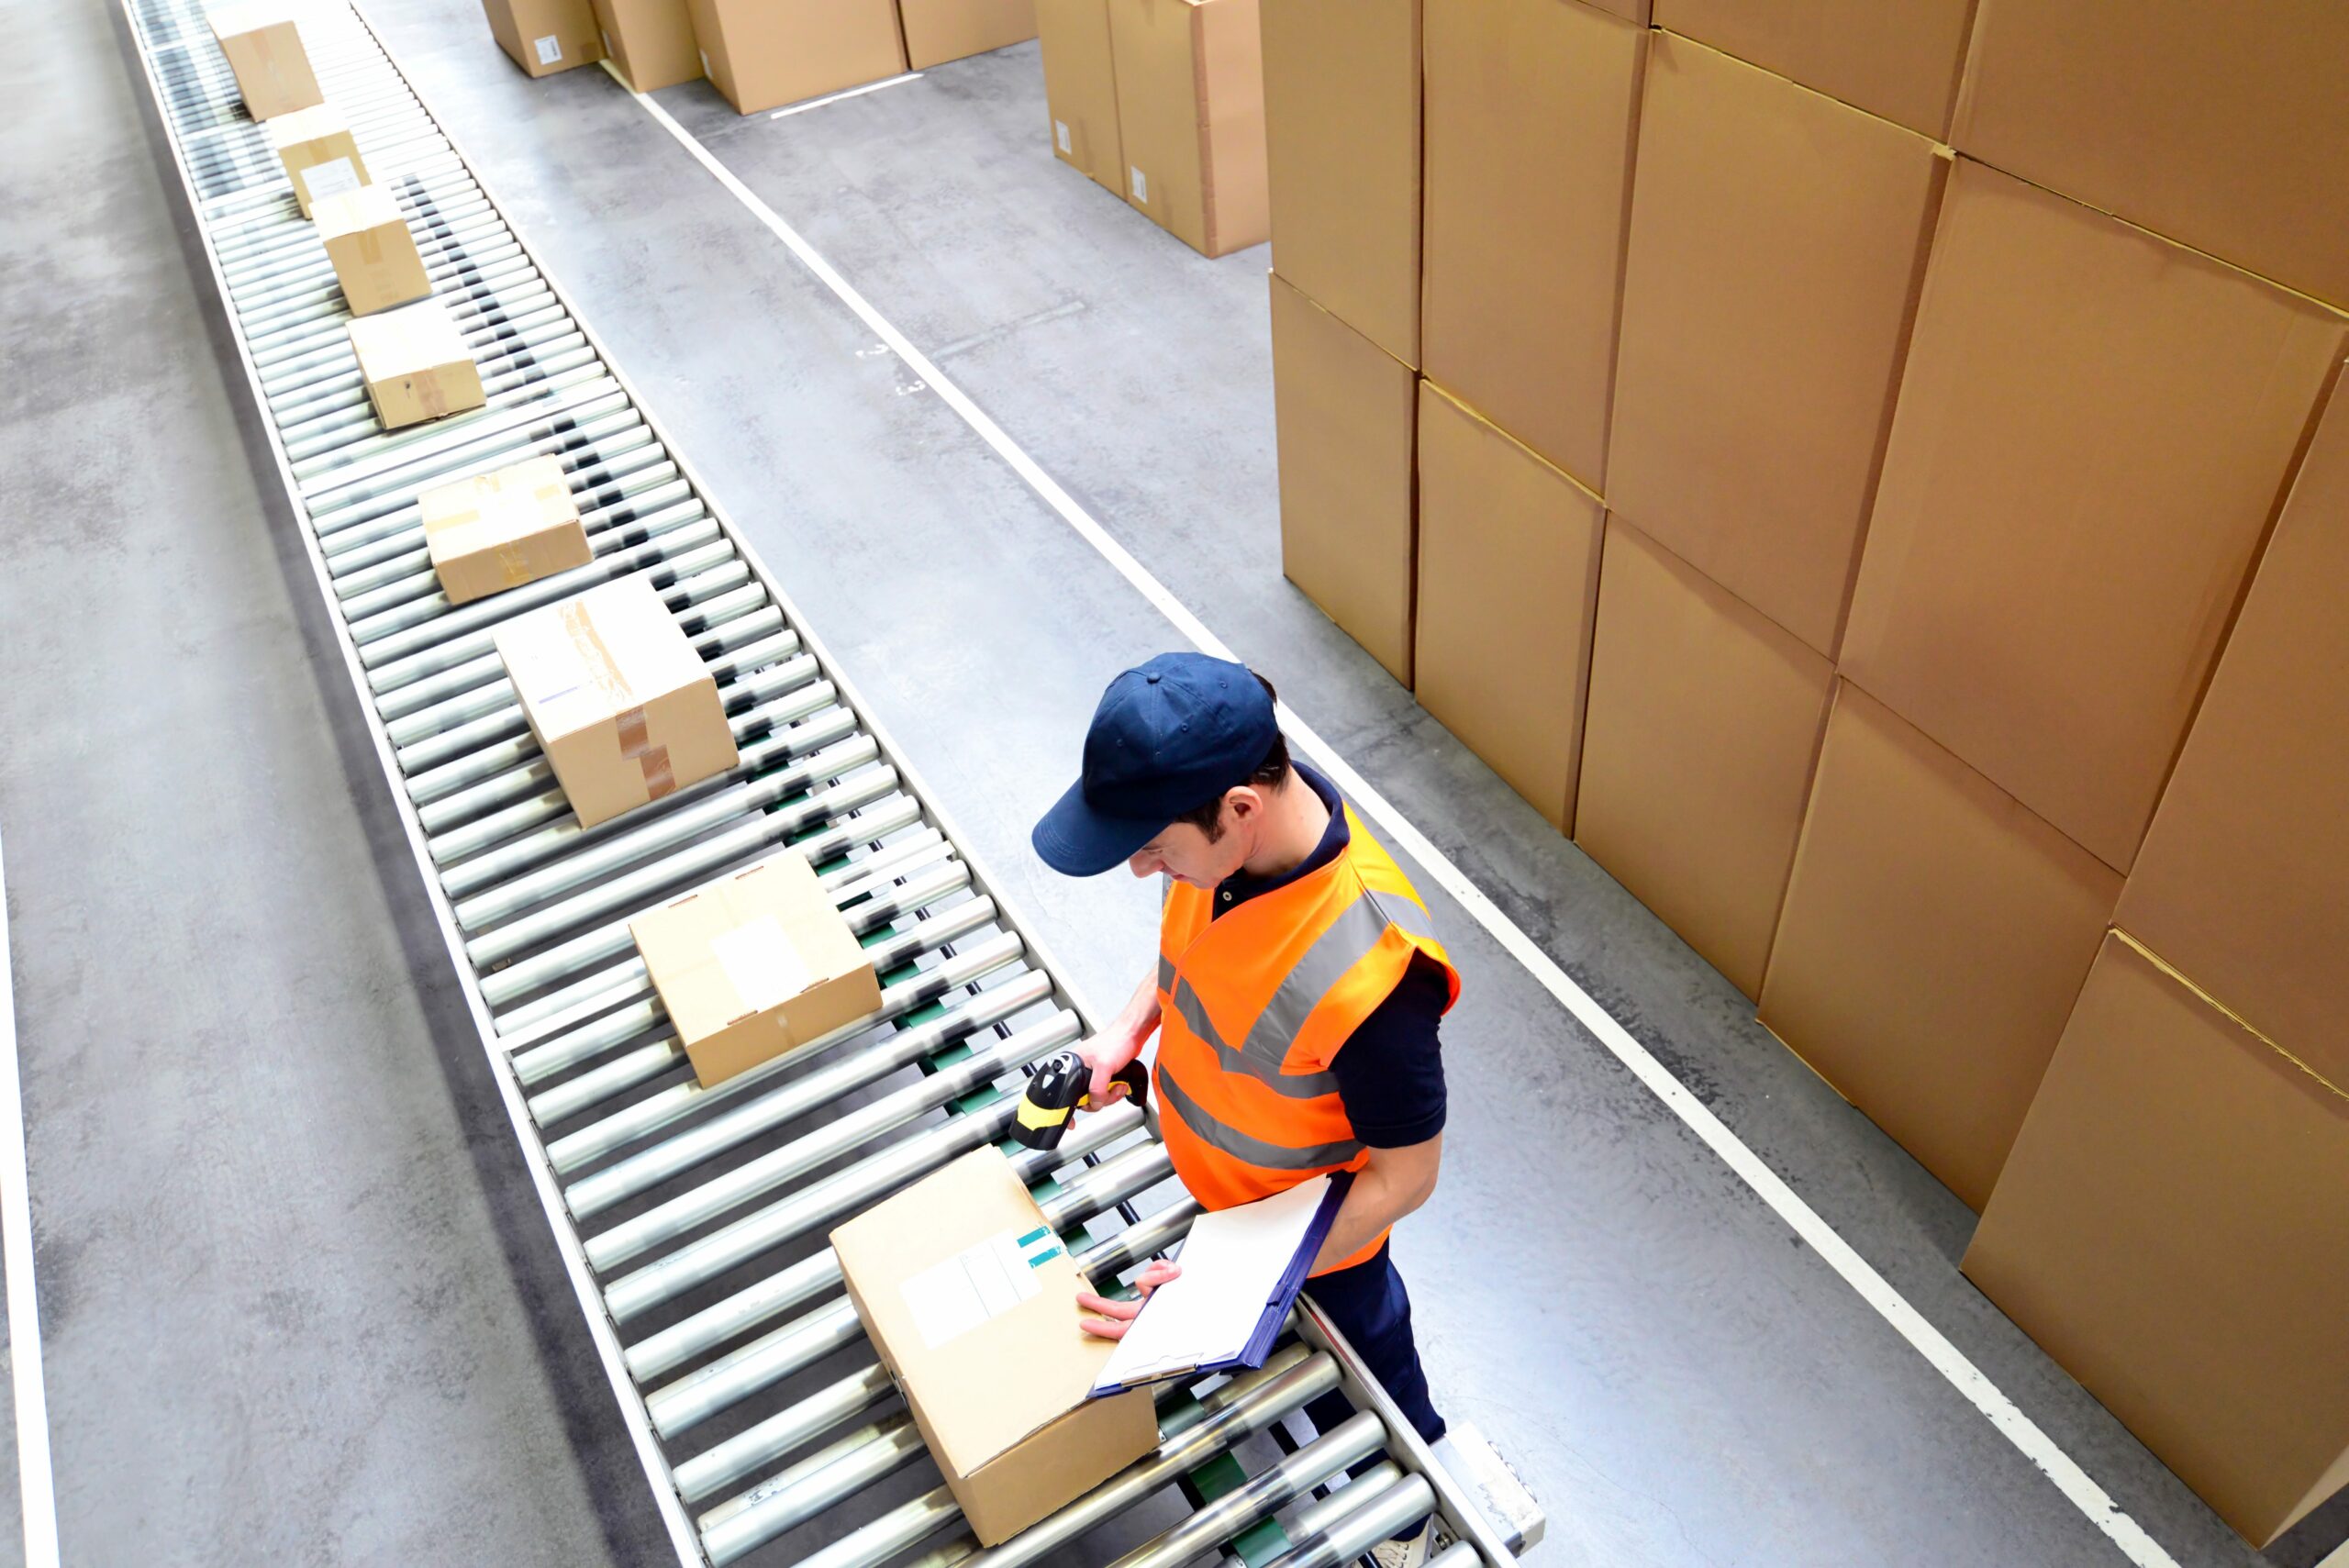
{"points": [[1946, 1358], [36, 1495], [836, 97]]}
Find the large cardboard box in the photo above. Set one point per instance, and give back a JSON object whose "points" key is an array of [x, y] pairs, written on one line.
{"points": [[415, 364], [1508, 583], [762, 54], [1777, 241], [2170, 1228], [1341, 135], [1933, 938], [624, 710], [2242, 880], [489, 533], [1898, 62], [651, 41], [543, 37], [2220, 125], [319, 155], [754, 965], [263, 49], [970, 1301], [1191, 118], [941, 30], [1345, 409], [1081, 88], [2094, 427], [1532, 114], [371, 249], [1701, 725]]}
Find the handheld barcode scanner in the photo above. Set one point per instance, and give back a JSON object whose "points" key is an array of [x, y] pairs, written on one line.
{"points": [[1060, 1087]]}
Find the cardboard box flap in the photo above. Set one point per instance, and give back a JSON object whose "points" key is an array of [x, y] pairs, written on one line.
{"points": [[612, 649], [486, 510], [306, 125], [976, 1311], [355, 212], [748, 944], [418, 337]]}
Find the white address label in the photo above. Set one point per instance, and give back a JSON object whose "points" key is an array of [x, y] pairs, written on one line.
{"points": [[1060, 134], [332, 178], [550, 49], [1142, 185], [977, 1284]]}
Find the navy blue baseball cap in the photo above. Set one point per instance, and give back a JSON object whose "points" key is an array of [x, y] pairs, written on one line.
{"points": [[1169, 736]]}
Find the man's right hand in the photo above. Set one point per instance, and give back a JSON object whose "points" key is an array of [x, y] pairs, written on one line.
{"points": [[1106, 1054], [1120, 1043]]}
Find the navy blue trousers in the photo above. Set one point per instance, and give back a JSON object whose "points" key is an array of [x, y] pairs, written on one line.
{"points": [[1369, 1305]]}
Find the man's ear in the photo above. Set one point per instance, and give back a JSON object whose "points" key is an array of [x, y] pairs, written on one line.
{"points": [[1244, 800]]}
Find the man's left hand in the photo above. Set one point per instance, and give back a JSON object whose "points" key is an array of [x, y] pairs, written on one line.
{"points": [[1110, 1319]]}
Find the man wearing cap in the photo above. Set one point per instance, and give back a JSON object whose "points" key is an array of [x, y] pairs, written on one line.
{"points": [[1297, 995]]}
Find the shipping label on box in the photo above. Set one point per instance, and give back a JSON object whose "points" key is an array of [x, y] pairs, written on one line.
{"points": [[493, 531], [374, 255], [971, 1303], [263, 49], [320, 156], [415, 364], [543, 37], [623, 708], [755, 965]]}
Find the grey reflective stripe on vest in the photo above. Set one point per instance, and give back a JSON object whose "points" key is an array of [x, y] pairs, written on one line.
{"points": [[1193, 1012], [1165, 973], [1240, 1145], [1333, 954]]}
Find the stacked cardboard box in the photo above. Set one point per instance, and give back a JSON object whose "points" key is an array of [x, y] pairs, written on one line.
{"points": [[543, 37], [762, 54], [1875, 552], [651, 41]]}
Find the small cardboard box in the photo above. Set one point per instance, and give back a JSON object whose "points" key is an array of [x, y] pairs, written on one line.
{"points": [[762, 54], [318, 153], [651, 41], [543, 37], [374, 255], [754, 965], [1081, 88], [1345, 409], [1508, 583], [624, 709], [415, 364], [1703, 717], [1342, 142], [2171, 1228], [2093, 431], [1899, 63], [2240, 880], [941, 30], [1531, 111], [263, 47], [2220, 125], [1191, 118], [493, 531], [1778, 239], [971, 1302], [1934, 938]]}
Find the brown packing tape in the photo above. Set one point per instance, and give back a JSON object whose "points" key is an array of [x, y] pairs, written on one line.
{"points": [[602, 670], [513, 565], [637, 746], [451, 522], [430, 396], [371, 247]]}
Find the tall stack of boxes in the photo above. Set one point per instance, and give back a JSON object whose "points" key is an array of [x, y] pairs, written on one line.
{"points": [[1846, 489], [1163, 102]]}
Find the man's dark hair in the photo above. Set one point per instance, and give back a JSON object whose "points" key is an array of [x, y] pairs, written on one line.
{"points": [[1270, 773]]}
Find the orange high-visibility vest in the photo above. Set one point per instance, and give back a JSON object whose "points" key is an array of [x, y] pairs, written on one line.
{"points": [[1255, 1007]]}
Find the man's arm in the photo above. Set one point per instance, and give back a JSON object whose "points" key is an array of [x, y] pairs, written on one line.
{"points": [[1395, 1181], [1122, 1041]]}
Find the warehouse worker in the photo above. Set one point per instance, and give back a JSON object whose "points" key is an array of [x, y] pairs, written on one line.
{"points": [[1298, 990]]}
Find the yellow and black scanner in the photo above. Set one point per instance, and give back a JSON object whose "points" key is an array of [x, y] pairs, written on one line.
{"points": [[1061, 1086]]}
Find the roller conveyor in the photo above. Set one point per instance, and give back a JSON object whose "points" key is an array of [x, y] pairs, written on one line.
{"points": [[691, 1219]]}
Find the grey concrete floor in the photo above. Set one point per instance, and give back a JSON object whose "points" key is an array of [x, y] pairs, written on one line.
{"points": [[298, 1301]]}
